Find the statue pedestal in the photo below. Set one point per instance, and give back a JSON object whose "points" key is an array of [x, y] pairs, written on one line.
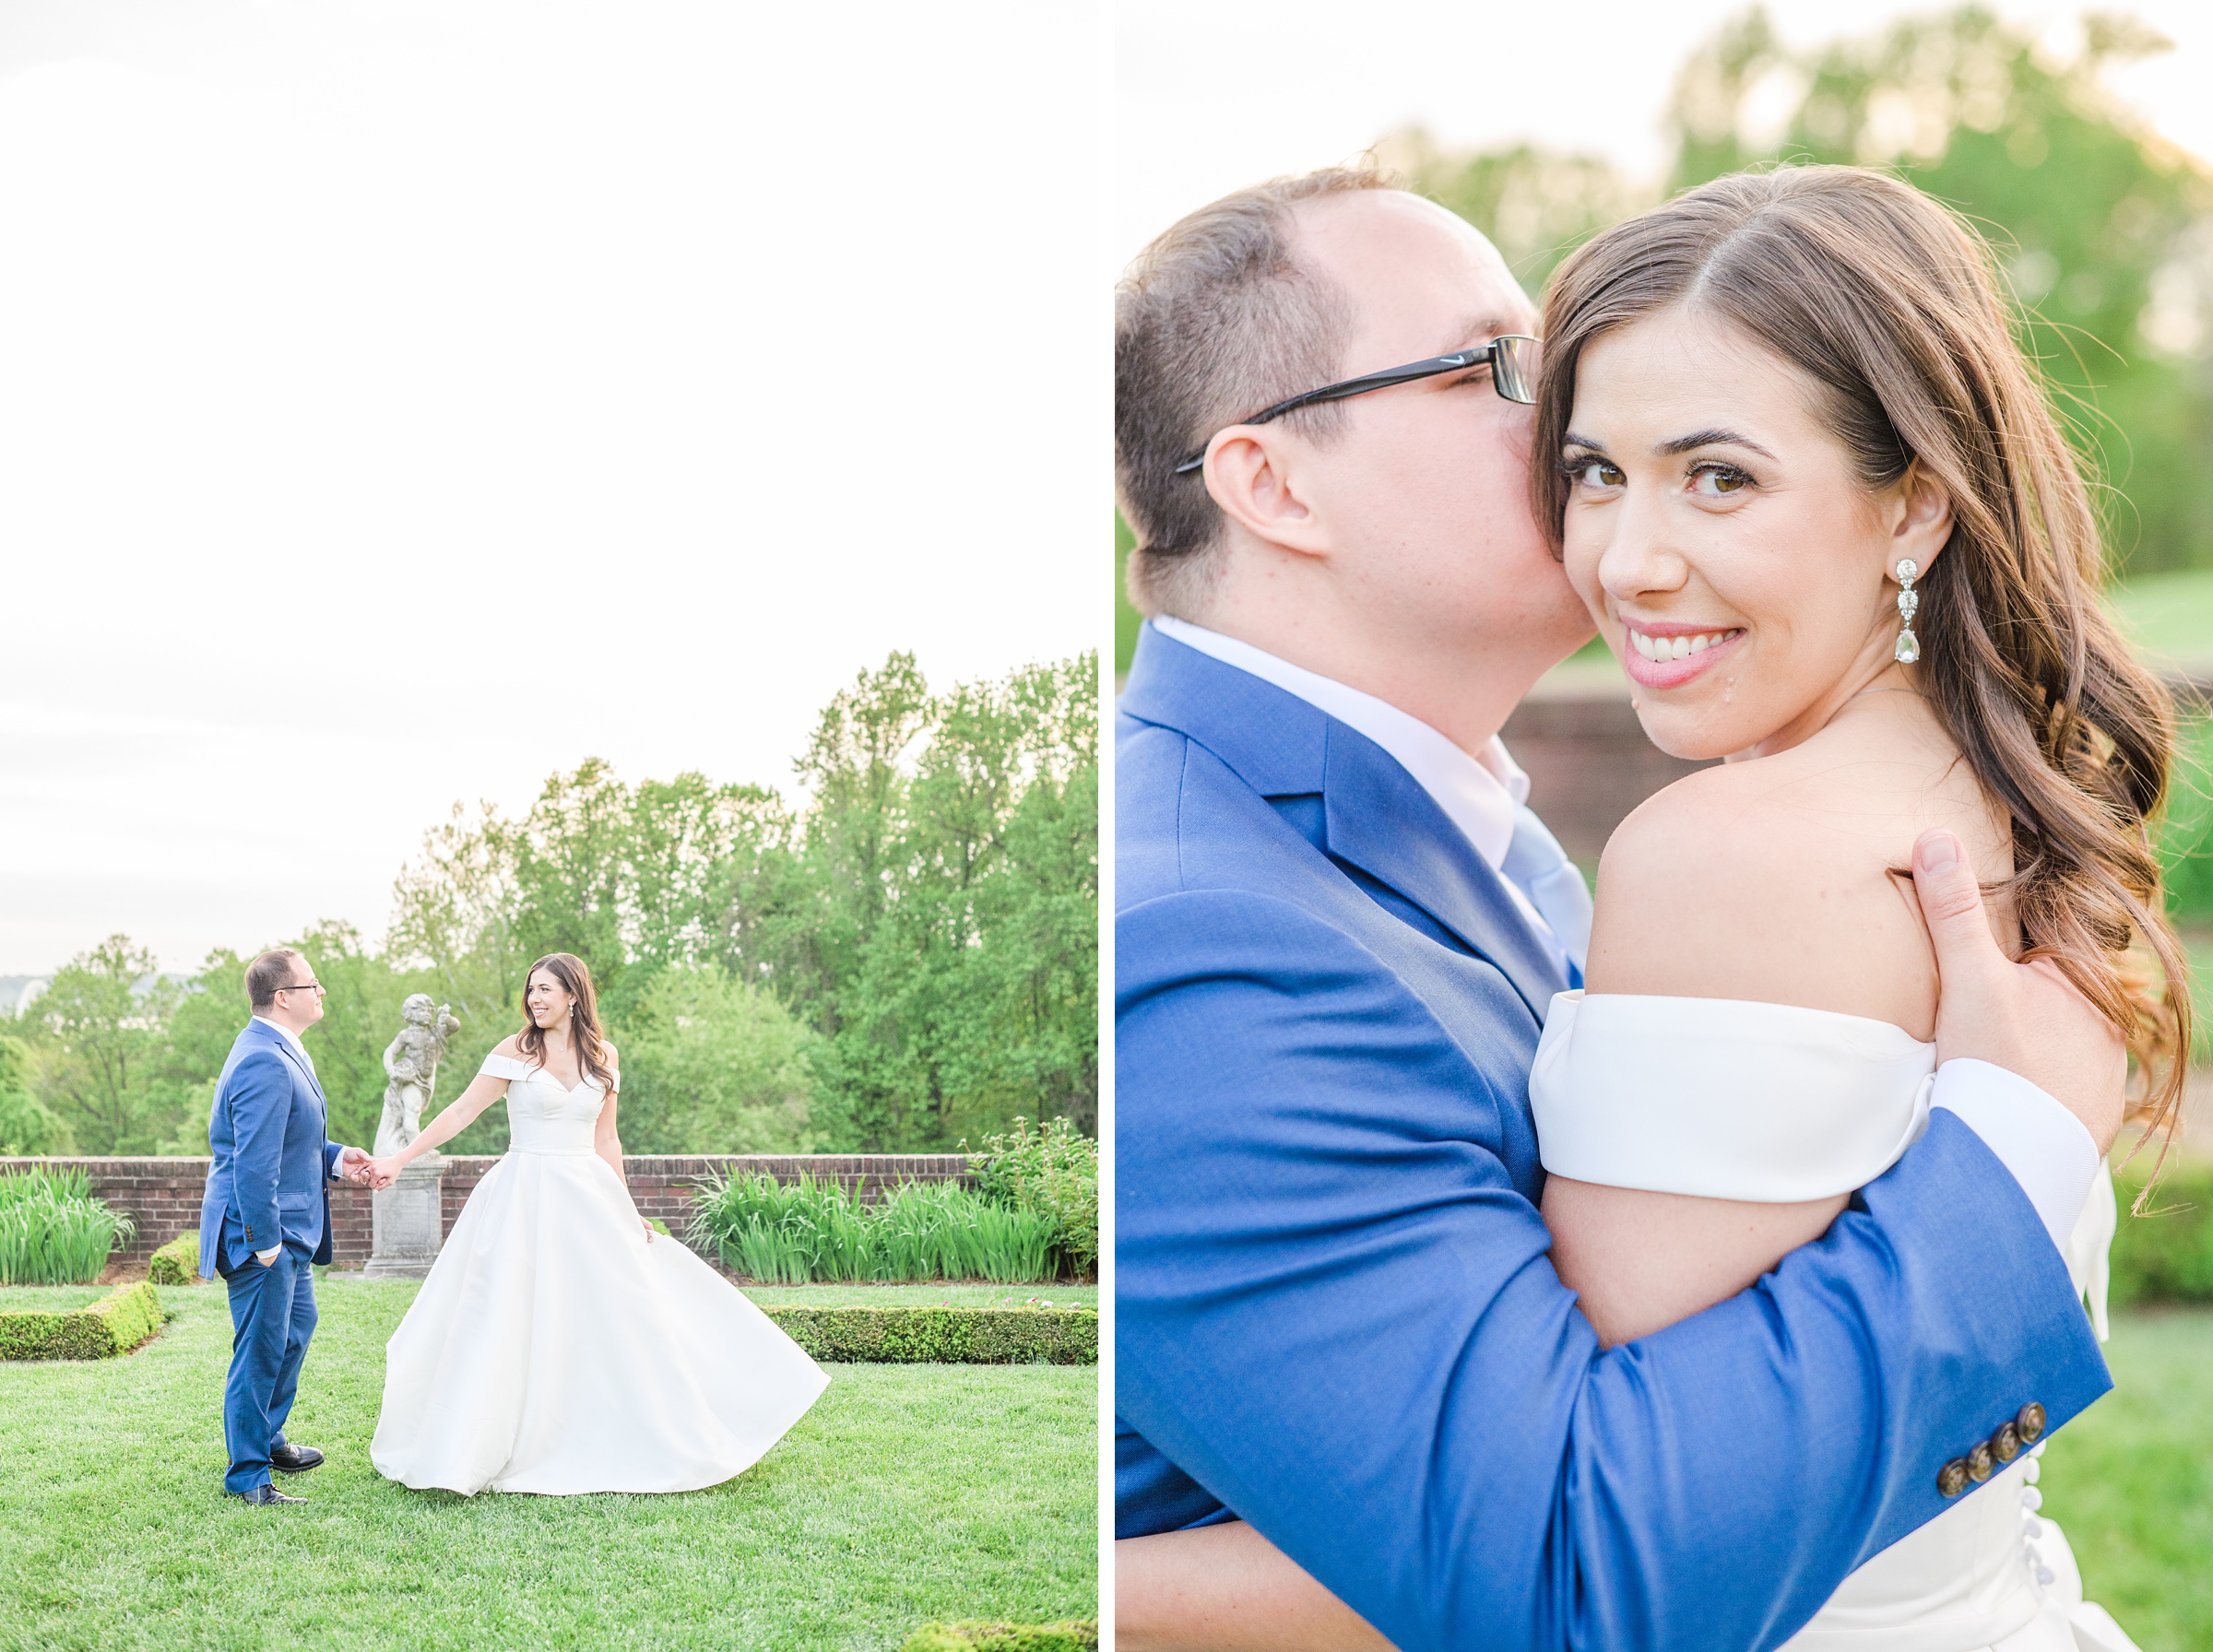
{"points": [[408, 1222]]}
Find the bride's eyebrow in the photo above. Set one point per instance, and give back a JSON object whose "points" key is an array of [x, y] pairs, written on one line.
{"points": [[1573, 439], [1697, 439]]}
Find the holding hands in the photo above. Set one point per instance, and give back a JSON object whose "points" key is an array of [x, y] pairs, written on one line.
{"points": [[355, 1166]]}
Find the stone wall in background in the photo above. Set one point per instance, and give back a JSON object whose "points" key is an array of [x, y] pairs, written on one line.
{"points": [[163, 1195]]}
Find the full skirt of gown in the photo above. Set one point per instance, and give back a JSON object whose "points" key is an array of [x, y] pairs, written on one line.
{"points": [[553, 1349]]}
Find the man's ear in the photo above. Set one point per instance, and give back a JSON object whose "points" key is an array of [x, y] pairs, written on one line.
{"points": [[1253, 473], [1923, 525]]}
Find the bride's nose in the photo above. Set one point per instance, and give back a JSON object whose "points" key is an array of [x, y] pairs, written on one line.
{"points": [[1638, 561]]}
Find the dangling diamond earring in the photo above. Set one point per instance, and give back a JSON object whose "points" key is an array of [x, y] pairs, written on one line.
{"points": [[1909, 603]]}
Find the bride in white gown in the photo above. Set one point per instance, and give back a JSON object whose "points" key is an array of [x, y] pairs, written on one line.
{"points": [[559, 1346], [1779, 405]]}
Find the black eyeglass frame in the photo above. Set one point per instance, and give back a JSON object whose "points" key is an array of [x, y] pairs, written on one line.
{"points": [[1458, 361]]}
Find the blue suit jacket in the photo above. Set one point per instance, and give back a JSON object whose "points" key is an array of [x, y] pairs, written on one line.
{"points": [[1336, 1313], [273, 1160]]}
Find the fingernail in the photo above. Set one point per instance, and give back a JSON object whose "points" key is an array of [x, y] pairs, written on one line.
{"points": [[1936, 853]]}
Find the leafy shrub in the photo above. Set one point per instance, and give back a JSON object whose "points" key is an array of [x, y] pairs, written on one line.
{"points": [[176, 1263], [27, 1126], [52, 1232], [2167, 1255], [1081, 1635], [1054, 1172], [713, 1064], [946, 1336], [808, 1232], [115, 1325]]}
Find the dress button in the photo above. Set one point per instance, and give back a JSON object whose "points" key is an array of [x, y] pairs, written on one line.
{"points": [[2030, 1423], [1979, 1463], [1951, 1479], [2006, 1445]]}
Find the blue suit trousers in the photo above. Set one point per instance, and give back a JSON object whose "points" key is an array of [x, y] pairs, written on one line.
{"points": [[272, 1319]]}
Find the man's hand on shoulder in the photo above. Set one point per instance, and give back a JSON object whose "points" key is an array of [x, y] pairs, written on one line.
{"points": [[2026, 1018]]}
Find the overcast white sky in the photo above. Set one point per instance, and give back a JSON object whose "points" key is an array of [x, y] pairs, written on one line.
{"points": [[1211, 96], [401, 401]]}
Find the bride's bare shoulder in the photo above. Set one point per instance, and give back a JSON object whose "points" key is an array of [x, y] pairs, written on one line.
{"points": [[1769, 880], [510, 1046]]}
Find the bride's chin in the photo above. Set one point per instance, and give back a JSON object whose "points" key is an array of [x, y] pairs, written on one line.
{"points": [[1684, 732]]}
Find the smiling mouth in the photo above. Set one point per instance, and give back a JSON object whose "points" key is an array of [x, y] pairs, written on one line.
{"points": [[1660, 650]]}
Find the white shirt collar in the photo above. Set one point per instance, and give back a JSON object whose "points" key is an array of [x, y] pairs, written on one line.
{"points": [[290, 1037], [1478, 793]]}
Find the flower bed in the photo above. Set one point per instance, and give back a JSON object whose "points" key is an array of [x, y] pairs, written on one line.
{"points": [[52, 1232]]}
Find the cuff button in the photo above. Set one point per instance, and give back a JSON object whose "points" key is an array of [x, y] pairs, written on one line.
{"points": [[2030, 1423], [2006, 1445], [1979, 1463], [1951, 1479]]}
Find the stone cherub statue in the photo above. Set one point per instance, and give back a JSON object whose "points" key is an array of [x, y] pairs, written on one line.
{"points": [[411, 1064]]}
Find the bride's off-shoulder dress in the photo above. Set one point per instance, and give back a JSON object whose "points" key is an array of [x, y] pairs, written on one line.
{"points": [[1771, 1103], [553, 1350]]}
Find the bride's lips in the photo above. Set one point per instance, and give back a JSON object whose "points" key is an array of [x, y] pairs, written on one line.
{"points": [[1682, 651]]}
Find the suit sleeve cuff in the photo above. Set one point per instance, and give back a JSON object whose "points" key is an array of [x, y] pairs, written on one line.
{"points": [[2039, 1142]]}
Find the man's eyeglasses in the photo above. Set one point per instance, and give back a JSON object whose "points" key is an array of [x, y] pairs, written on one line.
{"points": [[1513, 363], [300, 986]]}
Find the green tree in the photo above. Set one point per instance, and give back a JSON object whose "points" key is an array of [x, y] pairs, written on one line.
{"points": [[713, 1064], [26, 1124], [102, 1023]]}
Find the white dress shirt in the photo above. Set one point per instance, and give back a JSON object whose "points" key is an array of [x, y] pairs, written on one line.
{"points": [[2042, 1144]]}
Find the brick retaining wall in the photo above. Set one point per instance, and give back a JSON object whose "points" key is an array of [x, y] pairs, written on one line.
{"points": [[163, 1195]]}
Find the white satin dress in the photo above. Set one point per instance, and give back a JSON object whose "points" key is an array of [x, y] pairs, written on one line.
{"points": [[1772, 1104], [553, 1350]]}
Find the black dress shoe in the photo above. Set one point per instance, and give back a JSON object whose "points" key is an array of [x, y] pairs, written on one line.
{"points": [[294, 1460], [263, 1495]]}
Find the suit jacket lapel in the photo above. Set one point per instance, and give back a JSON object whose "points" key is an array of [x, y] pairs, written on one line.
{"points": [[1381, 821], [299, 1065], [1378, 818]]}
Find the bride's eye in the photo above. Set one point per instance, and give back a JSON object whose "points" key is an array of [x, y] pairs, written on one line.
{"points": [[1718, 482], [1584, 470]]}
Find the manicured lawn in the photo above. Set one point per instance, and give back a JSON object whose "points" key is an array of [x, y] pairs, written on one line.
{"points": [[2131, 1479], [909, 1492]]}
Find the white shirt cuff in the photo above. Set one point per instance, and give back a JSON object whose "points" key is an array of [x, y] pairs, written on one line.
{"points": [[2045, 1147], [267, 1257]]}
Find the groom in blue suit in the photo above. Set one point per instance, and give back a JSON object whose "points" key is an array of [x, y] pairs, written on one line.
{"points": [[265, 1217], [1338, 931]]}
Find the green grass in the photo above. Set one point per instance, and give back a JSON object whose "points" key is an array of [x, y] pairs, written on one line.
{"points": [[2131, 1480], [907, 1494]]}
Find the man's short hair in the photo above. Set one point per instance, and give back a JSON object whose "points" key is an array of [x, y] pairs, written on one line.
{"points": [[1215, 320], [266, 974]]}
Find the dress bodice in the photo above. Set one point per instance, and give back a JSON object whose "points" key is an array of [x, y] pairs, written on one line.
{"points": [[543, 1115], [1773, 1103]]}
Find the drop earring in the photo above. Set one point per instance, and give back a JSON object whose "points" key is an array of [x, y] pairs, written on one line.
{"points": [[1909, 603]]}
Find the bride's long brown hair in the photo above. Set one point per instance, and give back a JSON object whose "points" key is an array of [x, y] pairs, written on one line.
{"points": [[1890, 301], [585, 1037]]}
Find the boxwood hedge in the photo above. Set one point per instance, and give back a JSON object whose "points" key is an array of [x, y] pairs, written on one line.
{"points": [[115, 1325], [1081, 1635], [944, 1335], [176, 1263]]}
